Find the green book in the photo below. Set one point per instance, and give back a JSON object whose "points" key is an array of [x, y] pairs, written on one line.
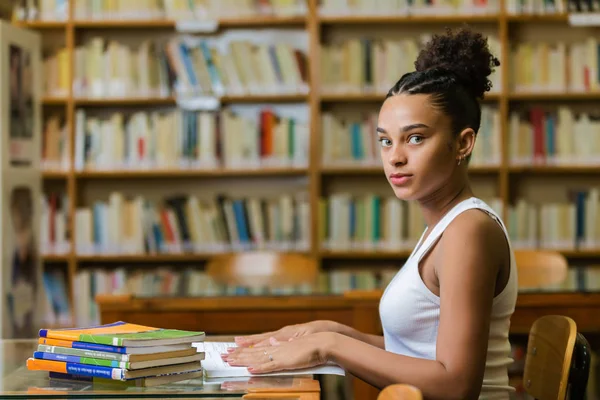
{"points": [[124, 334]]}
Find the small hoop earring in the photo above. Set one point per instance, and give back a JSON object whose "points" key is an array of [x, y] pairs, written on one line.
{"points": [[459, 160]]}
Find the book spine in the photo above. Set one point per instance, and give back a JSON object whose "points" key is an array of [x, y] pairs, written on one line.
{"points": [[34, 364], [83, 345], [83, 353], [79, 360]]}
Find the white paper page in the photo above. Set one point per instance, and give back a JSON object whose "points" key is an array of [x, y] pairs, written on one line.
{"points": [[214, 366]]}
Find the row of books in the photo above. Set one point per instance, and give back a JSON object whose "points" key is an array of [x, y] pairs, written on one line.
{"points": [[232, 63], [346, 221], [193, 281], [407, 7], [383, 60], [176, 10], [535, 7], [218, 66], [277, 135], [561, 136], [571, 224], [213, 10], [188, 224], [562, 66], [350, 139], [372, 222], [245, 136], [119, 353]]}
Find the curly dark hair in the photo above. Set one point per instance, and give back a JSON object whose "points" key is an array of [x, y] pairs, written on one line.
{"points": [[453, 67]]}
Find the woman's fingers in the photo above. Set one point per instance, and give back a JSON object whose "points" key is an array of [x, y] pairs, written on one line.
{"points": [[252, 340]]}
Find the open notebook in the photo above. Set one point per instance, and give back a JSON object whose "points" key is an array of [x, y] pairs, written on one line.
{"points": [[214, 367]]}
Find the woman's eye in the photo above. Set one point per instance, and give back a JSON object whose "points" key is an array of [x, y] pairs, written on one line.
{"points": [[385, 142], [415, 139]]}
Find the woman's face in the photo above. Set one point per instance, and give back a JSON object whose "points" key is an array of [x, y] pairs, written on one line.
{"points": [[418, 150]]}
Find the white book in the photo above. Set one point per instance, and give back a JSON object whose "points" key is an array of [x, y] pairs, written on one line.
{"points": [[214, 366]]}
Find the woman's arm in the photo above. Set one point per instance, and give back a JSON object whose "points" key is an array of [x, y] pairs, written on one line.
{"points": [[469, 256], [467, 260], [373, 340]]}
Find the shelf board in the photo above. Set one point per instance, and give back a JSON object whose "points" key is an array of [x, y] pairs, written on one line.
{"points": [[123, 101], [532, 18], [365, 254], [261, 20], [142, 101], [367, 170], [117, 258], [41, 24], [378, 170], [54, 101], [402, 254], [55, 174], [183, 173], [550, 169], [554, 96], [405, 19], [264, 98], [55, 258], [373, 97], [252, 21]]}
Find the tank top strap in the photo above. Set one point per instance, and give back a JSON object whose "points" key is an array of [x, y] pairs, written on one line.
{"points": [[441, 226]]}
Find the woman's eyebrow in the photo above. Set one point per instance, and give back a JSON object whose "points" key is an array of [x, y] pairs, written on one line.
{"points": [[405, 128], [413, 126]]}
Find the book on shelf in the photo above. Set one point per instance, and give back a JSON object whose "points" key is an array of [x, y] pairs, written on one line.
{"points": [[197, 10], [383, 60], [556, 67], [406, 8], [350, 222], [188, 67], [189, 224], [560, 137], [118, 351], [536, 7], [564, 225], [275, 135]]}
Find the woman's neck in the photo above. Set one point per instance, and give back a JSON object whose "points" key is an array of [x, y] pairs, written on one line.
{"points": [[438, 203]]}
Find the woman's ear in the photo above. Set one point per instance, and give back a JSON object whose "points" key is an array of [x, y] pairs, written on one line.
{"points": [[465, 142]]}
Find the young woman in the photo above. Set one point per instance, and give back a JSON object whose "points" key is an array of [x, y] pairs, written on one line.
{"points": [[446, 314]]}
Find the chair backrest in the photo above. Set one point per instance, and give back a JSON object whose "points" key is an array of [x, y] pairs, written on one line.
{"points": [[400, 391], [549, 357], [263, 269], [538, 268]]}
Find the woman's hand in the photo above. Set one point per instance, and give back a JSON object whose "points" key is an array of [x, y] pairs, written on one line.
{"points": [[285, 334], [304, 352]]}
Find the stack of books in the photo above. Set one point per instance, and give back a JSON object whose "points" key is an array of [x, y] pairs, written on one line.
{"points": [[121, 353]]}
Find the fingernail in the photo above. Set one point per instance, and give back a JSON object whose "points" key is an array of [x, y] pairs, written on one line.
{"points": [[230, 350]]}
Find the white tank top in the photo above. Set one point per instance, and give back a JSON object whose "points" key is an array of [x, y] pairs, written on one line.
{"points": [[410, 312]]}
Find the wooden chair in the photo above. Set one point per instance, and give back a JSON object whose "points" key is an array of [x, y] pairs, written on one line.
{"points": [[400, 391], [538, 268], [258, 269], [557, 361]]}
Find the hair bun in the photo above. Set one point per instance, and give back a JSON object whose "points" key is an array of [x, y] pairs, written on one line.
{"points": [[465, 54]]}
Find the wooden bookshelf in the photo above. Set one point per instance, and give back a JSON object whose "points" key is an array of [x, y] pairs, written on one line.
{"points": [[501, 177]]}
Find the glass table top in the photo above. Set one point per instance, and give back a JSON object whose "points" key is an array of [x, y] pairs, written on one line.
{"points": [[16, 381]]}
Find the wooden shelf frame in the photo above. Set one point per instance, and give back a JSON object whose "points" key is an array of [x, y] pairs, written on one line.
{"points": [[313, 24]]}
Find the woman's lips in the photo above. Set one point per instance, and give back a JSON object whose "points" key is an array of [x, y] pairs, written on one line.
{"points": [[400, 179]]}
